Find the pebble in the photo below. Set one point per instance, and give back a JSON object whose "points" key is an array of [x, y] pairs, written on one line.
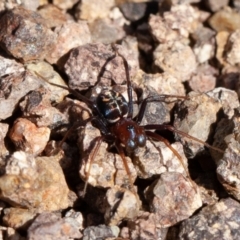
{"points": [[51, 226], [34, 183], [32, 39], [28, 137], [173, 198], [228, 18], [213, 221], [197, 120]]}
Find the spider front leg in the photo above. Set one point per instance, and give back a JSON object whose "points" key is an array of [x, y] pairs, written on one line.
{"points": [[173, 129]]}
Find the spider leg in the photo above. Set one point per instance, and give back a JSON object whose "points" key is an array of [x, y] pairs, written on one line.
{"points": [[122, 155], [129, 84], [157, 137], [160, 98], [93, 155], [173, 129]]}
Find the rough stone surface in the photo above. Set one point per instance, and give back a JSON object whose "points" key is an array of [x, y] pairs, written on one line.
{"points": [[86, 64], [204, 79], [176, 59], [100, 232], [195, 117], [49, 75], [215, 5], [53, 15], [18, 217], [233, 44], [31, 182], [123, 205], [173, 198], [3, 132], [218, 221], [17, 86], [228, 167], [145, 227], [31, 39], [228, 18], [69, 35], [93, 9], [28, 137], [36, 106], [51, 226], [9, 66]]}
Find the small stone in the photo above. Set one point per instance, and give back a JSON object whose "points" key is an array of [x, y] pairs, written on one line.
{"points": [[17, 86], [100, 232], [221, 41], [64, 4], [54, 16], [173, 198], [90, 10], [46, 71], [24, 34], [18, 217], [105, 31], [225, 20], [145, 227], [176, 59], [218, 221], [31, 183], [133, 11], [77, 216], [3, 132], [9, 66], [37, 107], [228, 167], [204, 48], [86, 64], [215, 5], [204, 79], [228, 99], [51, 226], [28, 137], [69, 35], [233, 48], [122, 205], [195, 117]]}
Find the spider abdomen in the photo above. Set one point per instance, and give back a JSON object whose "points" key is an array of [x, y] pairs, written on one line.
{"points": [[112, 105]]}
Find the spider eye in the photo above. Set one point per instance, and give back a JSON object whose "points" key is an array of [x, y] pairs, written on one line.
{"points": [[141, 140], [130, 146]]}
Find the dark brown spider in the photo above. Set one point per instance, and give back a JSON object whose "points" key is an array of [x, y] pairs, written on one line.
{"points": [[113, 116]]}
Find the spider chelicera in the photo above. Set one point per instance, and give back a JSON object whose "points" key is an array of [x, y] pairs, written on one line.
{"points": [[113, 116]]}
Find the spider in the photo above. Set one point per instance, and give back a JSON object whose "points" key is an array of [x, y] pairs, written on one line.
{"points": [[113, 116]]}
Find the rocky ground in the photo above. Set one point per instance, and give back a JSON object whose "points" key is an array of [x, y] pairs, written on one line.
{"points": [[189, 48]]}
